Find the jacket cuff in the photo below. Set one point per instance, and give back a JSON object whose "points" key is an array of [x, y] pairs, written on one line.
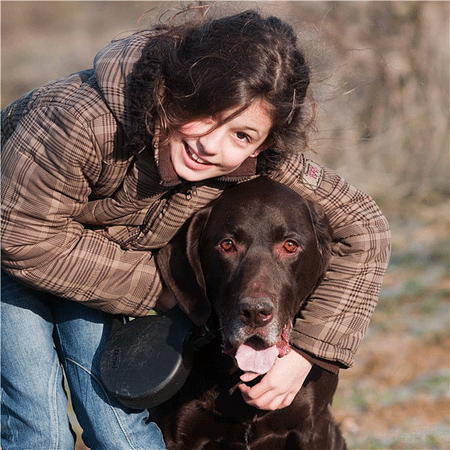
{"points": [[332, 367]]}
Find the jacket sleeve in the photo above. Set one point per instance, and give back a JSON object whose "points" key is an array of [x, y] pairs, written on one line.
{"points": [[50, 162], [336, 316]]}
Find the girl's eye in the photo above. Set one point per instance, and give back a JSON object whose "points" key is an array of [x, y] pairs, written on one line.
{"points": [[227, 245], [290, 247], [243, 136]]}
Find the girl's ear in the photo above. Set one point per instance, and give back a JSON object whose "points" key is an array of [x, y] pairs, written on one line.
{"points": [[260, 149]]}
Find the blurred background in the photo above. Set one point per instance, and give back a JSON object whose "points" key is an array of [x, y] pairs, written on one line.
{"points": [[381, 82]]}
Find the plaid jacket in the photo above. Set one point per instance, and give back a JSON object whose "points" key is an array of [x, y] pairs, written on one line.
{"points": [[81, 217]]}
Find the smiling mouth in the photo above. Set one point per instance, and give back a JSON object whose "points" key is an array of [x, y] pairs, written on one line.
{"points": [[194, 156]]}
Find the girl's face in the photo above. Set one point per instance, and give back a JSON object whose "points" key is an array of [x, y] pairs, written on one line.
{"points": [[199, 151]]}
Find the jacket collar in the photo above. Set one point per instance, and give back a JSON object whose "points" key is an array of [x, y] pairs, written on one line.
{"points": [[169, 177]]}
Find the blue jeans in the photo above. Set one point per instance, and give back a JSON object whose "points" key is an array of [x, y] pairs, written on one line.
{"points": [[39, 333]]}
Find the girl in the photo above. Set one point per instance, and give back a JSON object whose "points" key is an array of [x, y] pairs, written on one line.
{"points": [[100, 170]]}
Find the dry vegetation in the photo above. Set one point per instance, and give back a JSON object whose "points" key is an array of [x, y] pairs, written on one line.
{"points": [[382, 87]]}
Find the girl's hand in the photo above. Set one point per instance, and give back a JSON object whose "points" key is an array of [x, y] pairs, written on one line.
{"points": [[280, 385]]}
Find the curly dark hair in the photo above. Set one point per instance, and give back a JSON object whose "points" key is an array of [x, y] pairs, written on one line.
{"points": [[201, 69]]}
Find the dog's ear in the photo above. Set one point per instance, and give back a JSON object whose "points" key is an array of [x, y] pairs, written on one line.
{"points": [[323, 232], [180, 267]]}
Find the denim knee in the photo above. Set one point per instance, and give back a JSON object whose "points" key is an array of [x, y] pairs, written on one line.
{"points": [[39, 332], [34, 403], [81, 334]]}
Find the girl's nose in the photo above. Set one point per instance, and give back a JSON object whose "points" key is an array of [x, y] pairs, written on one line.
{"points": [[211, 143]]}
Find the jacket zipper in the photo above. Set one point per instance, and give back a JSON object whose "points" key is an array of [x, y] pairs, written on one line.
{"points": [[189, 193], [152, 210]]}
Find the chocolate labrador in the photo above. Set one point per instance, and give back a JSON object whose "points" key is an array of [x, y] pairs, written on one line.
{"points": [[248, 262]]}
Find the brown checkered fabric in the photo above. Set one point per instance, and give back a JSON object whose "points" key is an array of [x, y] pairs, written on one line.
{"points": [[81, 218]]}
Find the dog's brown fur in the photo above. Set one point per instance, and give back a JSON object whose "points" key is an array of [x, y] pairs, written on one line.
{"points": [[250, 260]]}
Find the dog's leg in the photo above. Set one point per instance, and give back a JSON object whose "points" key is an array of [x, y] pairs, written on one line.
{"points": [[326, 434]]}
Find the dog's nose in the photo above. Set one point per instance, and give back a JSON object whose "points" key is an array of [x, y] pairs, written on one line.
{"points": [[255, 312]]}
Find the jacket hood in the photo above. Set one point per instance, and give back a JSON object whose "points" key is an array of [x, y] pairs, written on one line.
{"points": [[113, 65]]}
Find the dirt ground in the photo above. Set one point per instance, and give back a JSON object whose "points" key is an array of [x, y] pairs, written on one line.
{"points": [[397, 394]]}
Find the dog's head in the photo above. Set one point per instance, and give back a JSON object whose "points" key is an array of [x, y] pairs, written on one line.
{"points": [[252, 257]]}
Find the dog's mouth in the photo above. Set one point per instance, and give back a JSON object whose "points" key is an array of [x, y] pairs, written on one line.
{"points": [[254, 355]]}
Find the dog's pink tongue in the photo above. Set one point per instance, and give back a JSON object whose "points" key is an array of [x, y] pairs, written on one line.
{"points": [[257, 361]]}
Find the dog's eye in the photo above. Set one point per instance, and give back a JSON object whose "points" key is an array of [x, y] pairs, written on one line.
{"points": [[227, 245], [290, 247]]}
